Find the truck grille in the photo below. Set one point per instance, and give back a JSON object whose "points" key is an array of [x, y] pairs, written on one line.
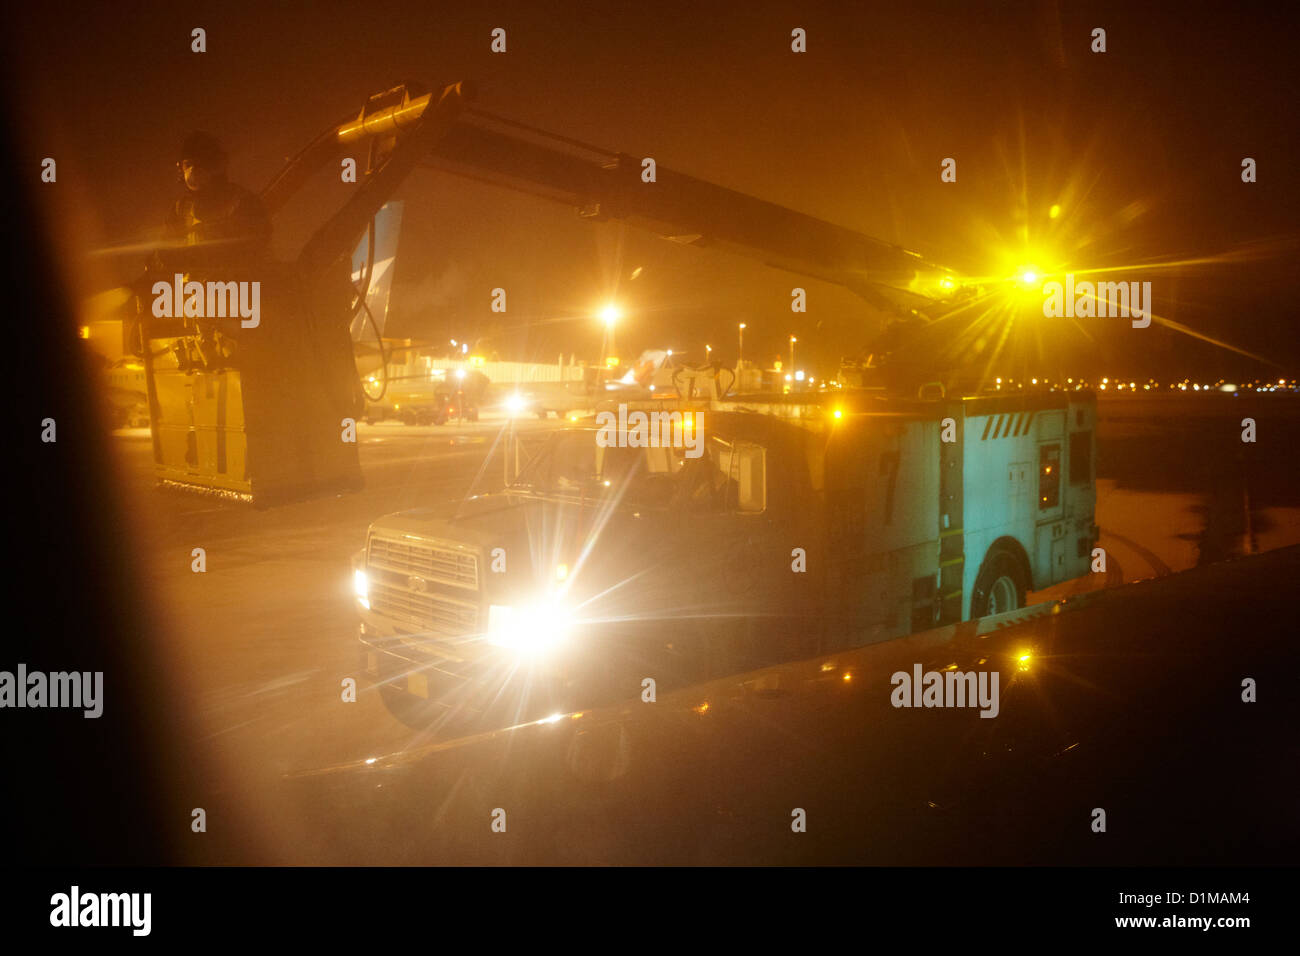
{"points": [[432, 560], [432, 612]]}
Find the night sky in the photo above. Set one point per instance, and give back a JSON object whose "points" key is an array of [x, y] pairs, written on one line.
{"points": [[1140, 146]]}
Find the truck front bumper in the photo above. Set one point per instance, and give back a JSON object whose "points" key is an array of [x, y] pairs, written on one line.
{"points": [[388, 660], [483, 686]]}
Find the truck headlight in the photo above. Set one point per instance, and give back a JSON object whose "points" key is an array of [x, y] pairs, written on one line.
{"points": [[515, 404], [361, 586], [532, 630]]}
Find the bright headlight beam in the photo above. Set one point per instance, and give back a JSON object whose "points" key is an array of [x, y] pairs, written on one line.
{"points": [[531, 630]]}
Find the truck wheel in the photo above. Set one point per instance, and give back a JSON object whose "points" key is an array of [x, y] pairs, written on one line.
{"points": [[1000, 586], [423, 715], [411, 711]]}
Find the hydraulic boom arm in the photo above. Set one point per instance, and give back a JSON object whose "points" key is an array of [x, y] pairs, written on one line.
{"points": [[601, 184]]}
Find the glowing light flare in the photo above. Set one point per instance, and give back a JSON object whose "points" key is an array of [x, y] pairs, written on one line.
{"points": [[530, 631]]}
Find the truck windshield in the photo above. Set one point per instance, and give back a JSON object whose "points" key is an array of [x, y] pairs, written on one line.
{"points": [[572, 464]]}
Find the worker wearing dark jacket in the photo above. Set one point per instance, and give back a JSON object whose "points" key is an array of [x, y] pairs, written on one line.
{"points": [[217, 231], [225, 223]]}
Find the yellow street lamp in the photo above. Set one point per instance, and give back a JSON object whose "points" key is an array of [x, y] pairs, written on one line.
{"points": [[610, 315]]}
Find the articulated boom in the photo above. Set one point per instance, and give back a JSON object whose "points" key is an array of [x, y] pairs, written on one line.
{"points": [[269, 420]]}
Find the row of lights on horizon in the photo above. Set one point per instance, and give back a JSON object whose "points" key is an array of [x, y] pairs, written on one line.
{"points": [[610, 314], [1119, 385]]}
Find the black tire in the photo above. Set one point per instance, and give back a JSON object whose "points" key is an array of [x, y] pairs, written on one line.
{"points": [[1003, 579], [429, 718], [426, 715]]}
